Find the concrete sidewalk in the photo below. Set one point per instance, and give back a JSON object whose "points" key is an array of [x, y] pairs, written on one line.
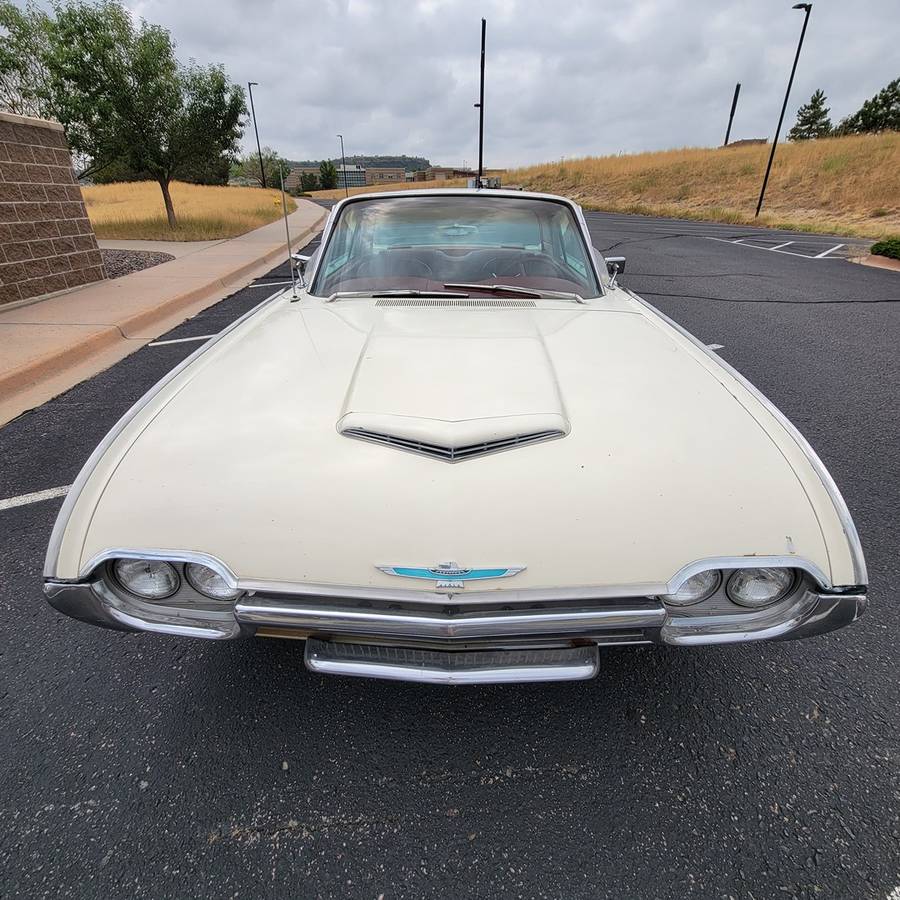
{"points": [[48, 346]]}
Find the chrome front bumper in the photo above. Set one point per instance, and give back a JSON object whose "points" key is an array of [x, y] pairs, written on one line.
{"points": [[448, 643]]}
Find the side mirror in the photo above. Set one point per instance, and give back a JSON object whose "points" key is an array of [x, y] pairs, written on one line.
{"points": [[615, 265], [300, 263]]}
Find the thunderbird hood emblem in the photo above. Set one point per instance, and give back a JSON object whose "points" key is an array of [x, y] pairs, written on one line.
{"points": [[450, 574]]}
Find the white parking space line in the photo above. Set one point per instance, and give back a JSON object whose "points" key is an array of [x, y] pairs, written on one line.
{"points": [[203, 337], [785, 244], [715, 346], [36, 497], [775, 249], [823, 255]]}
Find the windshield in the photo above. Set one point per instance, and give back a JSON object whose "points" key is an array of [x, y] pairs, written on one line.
{"points": [[462, 242]]}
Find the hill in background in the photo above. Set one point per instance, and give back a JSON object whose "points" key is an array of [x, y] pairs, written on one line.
{"points": [[849, 185], [409, 163]]}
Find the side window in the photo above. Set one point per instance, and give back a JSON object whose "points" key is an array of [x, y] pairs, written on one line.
{"points": [[573, 248], [342, 241]]}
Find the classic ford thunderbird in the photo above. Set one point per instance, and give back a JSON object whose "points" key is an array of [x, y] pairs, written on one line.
{"points": [[461, 453]]}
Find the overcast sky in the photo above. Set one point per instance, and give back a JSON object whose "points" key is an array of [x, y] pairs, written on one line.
{"points": [[563, 78]]}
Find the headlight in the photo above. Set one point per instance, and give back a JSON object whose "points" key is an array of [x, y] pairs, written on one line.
{"points": [[152, 579], [759, 587], [209, 582], [698, 587]]}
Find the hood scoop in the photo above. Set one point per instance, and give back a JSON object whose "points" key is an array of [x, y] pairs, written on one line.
{"points": [[460, 440], [455, 396]]}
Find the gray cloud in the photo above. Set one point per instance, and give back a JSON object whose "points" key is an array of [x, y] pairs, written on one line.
{"points": [[563, 79]]}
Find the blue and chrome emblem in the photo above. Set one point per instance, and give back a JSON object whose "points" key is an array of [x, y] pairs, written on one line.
{"points": [[450, 574]]}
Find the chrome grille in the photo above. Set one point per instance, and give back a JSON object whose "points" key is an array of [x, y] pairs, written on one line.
{"points": [[445, 302], [452, 454]]}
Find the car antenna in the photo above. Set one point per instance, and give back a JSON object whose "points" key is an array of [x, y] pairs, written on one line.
{"points": [[287, 236], [480, 107]]}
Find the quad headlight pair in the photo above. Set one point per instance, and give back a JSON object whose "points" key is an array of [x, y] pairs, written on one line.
{"points": [[156, 579], [753, 588]]}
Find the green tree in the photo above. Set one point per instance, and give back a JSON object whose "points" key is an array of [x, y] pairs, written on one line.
{"points": [[120, 93], [880, 113], [327, 174], [274, 167], [812, 119], [309, 181]]}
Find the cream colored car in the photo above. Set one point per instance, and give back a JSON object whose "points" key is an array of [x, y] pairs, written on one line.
{"points": [[462, 453]]}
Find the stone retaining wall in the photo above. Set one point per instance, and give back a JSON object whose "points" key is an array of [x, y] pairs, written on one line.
{"points": [[46, 240]]}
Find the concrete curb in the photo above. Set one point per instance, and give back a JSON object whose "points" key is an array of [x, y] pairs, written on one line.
{"points": [[41, 378], [878, 262]]}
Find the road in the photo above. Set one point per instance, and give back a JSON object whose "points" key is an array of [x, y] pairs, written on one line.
{"points": [[145, 766]]}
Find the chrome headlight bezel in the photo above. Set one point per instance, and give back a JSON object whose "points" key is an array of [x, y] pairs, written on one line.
{"points": [[708, 581], [192, 576]]}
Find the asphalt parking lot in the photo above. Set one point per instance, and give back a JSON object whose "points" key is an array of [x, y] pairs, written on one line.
{"points": [[144, 766]]}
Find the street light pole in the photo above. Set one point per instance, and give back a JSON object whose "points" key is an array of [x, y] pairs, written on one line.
{"points": [[737, 91], [808, 8], [480, 105], [344, 167], [262, 168]]}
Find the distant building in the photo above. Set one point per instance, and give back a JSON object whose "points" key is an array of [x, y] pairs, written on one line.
{"points": [[292, 182], [351, 176], [382, 176], [442, 173]]}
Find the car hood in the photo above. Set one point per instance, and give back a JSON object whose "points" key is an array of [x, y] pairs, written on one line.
{"points": [[660, 457]]}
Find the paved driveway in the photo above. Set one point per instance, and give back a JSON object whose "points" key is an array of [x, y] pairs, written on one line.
{"points": [[144, 766]]}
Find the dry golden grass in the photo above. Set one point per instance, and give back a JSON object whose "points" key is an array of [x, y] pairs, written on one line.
{"points": [[135, 210], [847, 185]]}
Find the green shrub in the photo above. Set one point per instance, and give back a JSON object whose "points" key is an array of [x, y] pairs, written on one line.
{"points": [[889, 247]]}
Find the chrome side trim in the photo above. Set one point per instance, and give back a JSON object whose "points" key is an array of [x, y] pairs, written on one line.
{"points": [[582, 623], [860, 573], [62, 519], [466, 667]]}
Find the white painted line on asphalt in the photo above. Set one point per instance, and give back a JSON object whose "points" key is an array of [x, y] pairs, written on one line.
{"points": [[36, 497], [715, 346], [773, 250], [785, 244], [823, 255], [203, 337]]}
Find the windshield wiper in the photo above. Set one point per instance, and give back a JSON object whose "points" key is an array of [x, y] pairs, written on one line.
{"points": [[403, 292], [525, 292]]}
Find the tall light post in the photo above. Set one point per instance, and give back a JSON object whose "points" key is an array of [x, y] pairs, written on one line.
{"points": [[808, 8], [344, 167], [734, 100], [262, 168], [480, 105]]}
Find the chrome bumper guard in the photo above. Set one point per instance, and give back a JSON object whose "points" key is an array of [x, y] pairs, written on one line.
{"points": [[459, 667]]}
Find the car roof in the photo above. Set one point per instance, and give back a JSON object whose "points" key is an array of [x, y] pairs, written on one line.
{"points": [[458, 192]]}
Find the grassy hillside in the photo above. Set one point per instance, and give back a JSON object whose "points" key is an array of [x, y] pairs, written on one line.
{"points": [[135, 211], [847, 185]]}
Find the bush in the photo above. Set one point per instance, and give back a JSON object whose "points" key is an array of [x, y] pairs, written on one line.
{"points": [[889, 247]]}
